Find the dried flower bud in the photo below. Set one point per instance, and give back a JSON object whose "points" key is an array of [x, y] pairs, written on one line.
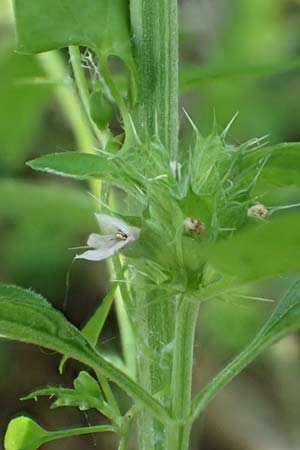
{"points": [[194, 226], [258, 210]]}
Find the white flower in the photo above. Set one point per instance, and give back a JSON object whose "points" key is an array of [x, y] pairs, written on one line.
{"points": [[118, 235]]}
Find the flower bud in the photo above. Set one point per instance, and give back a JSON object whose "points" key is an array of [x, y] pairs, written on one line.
{"points": [[193, 226], [258, 210]]}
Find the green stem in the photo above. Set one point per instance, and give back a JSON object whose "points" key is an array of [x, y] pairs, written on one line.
{"points": [[123, 302], [55, 68], [52, 436], [155, 38], [83, 90], [105, 71], [241, 361], [181, 391]]}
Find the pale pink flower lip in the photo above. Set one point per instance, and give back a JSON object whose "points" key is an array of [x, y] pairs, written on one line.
{"points": [[118, 235]]}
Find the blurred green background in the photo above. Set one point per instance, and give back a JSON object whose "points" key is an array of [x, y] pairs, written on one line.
{"points": [[41, 217]]}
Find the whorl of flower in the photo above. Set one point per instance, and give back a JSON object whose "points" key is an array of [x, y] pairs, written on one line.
{"points": [[258, 210], [118, 234]]}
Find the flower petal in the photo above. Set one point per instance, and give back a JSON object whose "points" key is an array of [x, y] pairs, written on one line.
{"points": [[97, 241], [110, 224], [103, 252]]}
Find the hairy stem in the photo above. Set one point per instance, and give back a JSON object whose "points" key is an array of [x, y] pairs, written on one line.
{"points": [[155, 40], [181, 388], [155, 37]]}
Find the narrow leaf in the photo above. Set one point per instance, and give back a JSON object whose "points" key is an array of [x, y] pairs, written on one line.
{"points": [[284, 320], [74, 164], [27, 317], [92, 329], [196, 76]]}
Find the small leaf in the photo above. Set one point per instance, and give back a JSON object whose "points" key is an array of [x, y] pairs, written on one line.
{"points": [[74, 164], [284, 320], [92, 329], [85, 395], [24, 434], [263, 251]]}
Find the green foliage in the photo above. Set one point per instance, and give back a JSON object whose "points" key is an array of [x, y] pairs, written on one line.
{"points": [[85, 395], [102, 26], [194, 77], [75, 165], [92, 329], [94, 325], [100, 109], [35, 321], [25, 434], [265, 250]]}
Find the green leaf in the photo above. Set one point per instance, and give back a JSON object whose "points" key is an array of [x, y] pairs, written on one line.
{"points": [[85, 395], [93, 327], [75, 165], [51, 24], [27, 317], [196, 76], [265, 250], [284, 320], [24, 434], [283, 166], [101, 25]]}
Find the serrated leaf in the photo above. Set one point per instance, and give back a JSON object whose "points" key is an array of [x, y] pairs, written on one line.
{"points": [[284, 320], [263, 251], [24, 433], [75, 165], [34, 321], [85, 395]]}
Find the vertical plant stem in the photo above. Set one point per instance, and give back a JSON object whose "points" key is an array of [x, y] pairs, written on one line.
{"points": [[155, 38], [181, 388]]}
